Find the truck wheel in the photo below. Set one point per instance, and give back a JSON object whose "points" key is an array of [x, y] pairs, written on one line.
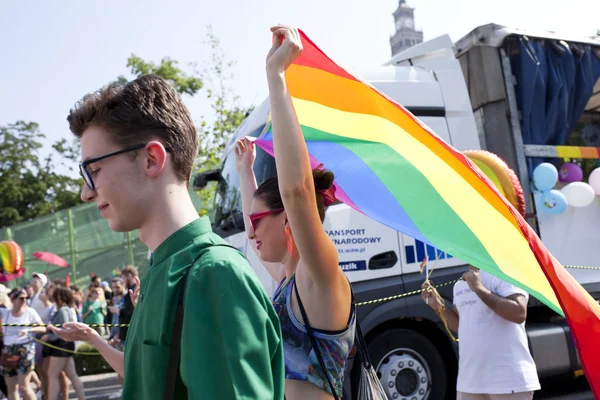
{"points": [[408, 365]]}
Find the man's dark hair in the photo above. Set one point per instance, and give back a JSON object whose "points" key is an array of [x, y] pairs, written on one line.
{"points": [[130, 270], [137, 112], [118, 279]]}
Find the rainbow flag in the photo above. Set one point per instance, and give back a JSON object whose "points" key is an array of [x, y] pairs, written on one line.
{"points": [[423, 264], [394, 169]]}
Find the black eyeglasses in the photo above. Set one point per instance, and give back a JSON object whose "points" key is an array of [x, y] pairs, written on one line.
{"points": [[83, 166]]}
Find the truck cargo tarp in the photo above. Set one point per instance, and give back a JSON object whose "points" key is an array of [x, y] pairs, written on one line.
{"points": [[554, 84]]}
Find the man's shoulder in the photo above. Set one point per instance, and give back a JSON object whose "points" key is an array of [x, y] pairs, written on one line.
{"points": [[222, 264], [213, 251]]}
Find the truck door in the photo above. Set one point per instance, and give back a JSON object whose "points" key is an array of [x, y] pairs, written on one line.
{"points": [[367, 249]]}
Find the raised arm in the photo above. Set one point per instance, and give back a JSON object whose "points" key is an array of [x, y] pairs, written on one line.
{"points": [[512, 308], [245, 153], [294, 172]]}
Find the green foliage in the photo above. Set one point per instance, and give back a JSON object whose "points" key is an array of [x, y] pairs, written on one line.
{"points": [[227, 113], [213, 132], [30, 186], [90, 364], [167, 69]]}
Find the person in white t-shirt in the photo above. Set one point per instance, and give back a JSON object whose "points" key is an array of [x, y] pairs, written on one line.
{"points": [[19, 375], [489, 315], [38, 282]]}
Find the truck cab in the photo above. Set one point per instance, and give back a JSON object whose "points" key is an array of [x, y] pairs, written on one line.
{"points": [[411, 351]]}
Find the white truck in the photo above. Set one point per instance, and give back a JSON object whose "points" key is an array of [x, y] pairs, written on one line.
{"points": [[468, 94]]}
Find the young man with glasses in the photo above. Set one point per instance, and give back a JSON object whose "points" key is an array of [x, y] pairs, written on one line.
{"points": [[139, 144]]}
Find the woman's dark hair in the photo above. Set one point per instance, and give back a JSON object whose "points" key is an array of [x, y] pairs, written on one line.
{"points": [[268, 191], [62, 295], [16, 292]]}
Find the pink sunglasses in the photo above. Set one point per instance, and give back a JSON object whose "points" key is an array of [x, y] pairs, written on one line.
{"points": [[254, 218]]}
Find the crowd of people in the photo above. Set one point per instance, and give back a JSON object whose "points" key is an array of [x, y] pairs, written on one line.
{"points": [[35, 362], [202, 325]]}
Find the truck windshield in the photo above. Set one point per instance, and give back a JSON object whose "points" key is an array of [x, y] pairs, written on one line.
{"points": [[227, 211]]}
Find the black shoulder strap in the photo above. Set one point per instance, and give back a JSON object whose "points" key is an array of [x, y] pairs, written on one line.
{"points": [[173, 375], [173, 378], [314, 341]]}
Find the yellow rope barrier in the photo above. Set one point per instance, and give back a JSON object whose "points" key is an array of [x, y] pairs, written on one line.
{"points": [[398, 296], [364, 303], [82, 353]]}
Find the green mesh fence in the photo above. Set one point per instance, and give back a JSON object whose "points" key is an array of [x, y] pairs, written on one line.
{"points": [[83, 239]]}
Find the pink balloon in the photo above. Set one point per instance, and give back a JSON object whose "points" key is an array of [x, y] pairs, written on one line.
{"points": [[570, 172]]}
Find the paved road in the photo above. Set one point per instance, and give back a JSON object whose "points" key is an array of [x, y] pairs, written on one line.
{"points": [[565, 389], [100, 387]]}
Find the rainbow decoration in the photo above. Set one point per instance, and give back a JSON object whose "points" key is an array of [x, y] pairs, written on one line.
{"points": [[11, 261], [394, 169], [577, 152]]}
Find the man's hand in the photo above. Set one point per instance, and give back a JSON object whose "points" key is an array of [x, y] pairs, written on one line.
{"points": [[430, 296], [74, 331], [134, 295], [473, 278]]}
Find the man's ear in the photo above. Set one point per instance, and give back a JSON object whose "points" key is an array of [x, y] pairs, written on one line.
{"points": [[155, 158]]}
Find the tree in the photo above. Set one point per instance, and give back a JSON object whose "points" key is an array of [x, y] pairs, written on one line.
{"points": [[213, 132], [228, 115], [167, 69], [30, 186]]}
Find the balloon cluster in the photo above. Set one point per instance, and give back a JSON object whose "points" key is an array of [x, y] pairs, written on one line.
{"points": [[11, 258], [574, 194]]}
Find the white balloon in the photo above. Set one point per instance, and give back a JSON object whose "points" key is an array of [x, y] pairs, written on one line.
{"points": [[579, 194], [594, 180]]}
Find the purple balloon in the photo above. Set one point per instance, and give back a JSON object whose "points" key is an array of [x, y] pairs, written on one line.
{"points": [[570, 172]]}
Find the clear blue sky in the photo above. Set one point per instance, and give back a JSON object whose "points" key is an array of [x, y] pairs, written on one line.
{"points": [[53, 52]]}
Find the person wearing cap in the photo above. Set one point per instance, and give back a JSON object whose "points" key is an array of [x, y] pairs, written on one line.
{"points": [[38, 281]]}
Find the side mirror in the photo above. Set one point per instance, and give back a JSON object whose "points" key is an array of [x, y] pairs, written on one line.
{"points": [[238, 220], [202, 179]]}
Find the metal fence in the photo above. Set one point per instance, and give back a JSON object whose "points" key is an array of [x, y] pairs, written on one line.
{"points": [[84, 239]]}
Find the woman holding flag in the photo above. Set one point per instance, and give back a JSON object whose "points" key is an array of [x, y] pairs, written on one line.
{"points": [[283, 219]]}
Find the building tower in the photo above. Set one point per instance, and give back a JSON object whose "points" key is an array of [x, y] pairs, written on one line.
{"points": [[406, 36]]}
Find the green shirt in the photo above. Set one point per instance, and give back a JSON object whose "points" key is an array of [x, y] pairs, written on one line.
{"points": [[95, 316], [231, 346]]}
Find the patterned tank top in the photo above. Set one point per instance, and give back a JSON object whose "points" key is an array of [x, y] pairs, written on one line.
{"points": [[301, 362]]}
